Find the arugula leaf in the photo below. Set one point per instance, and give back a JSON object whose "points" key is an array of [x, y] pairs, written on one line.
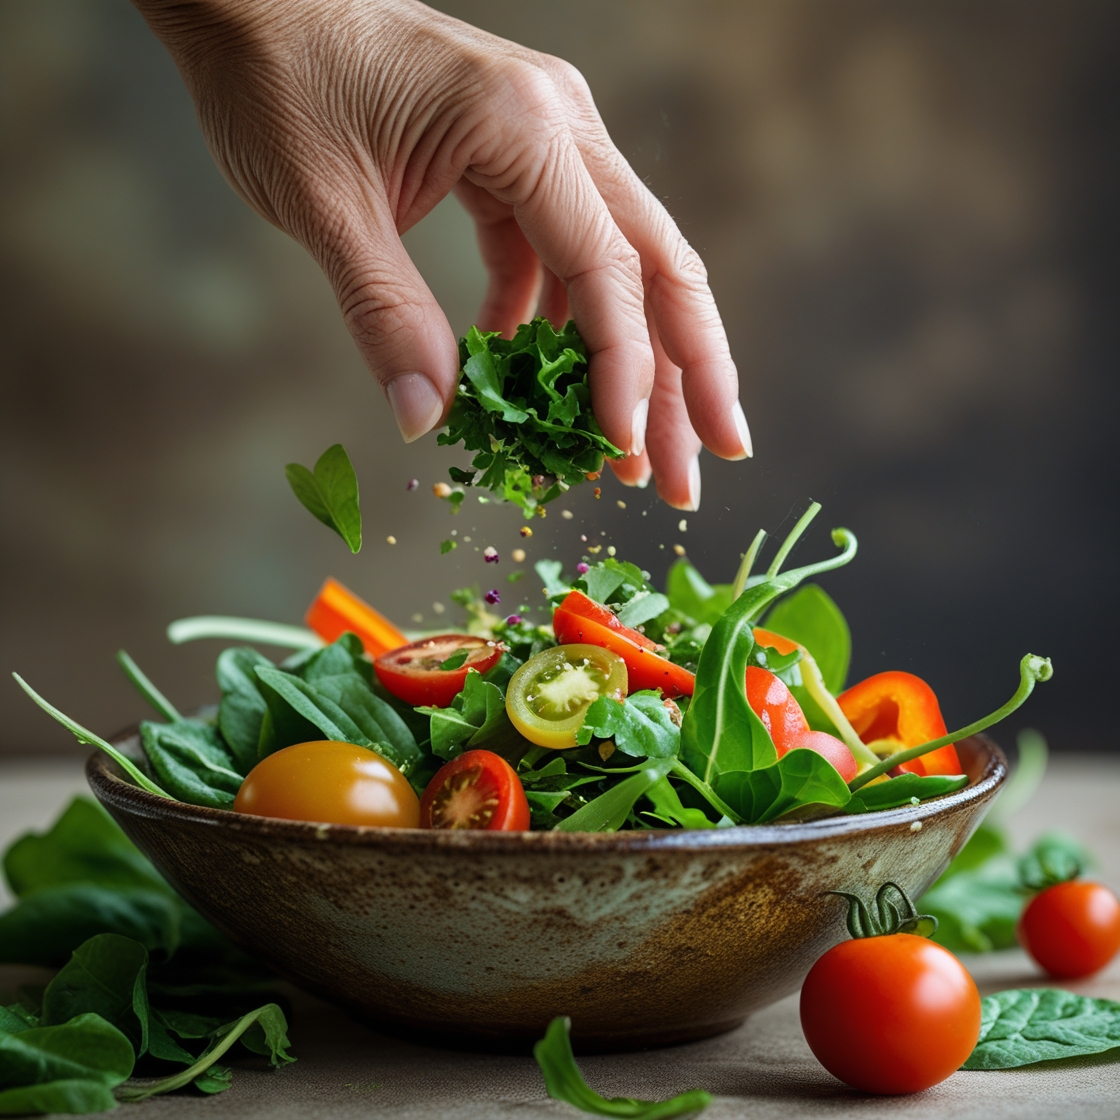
{"points": [[551, 575], [524, 405], [609, 811], [191, 760], [1021, 1027], [242, 707], [564, 1082], [800, 778], [640, 725], [330, 493], [810, 617], [475, 717], [903, 790]]}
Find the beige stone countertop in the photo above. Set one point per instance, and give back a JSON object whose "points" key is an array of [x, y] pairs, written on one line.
{"points": [[762, 1070]]}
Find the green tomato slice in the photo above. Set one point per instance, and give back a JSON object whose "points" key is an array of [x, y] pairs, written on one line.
{"points": [[549, 695]]}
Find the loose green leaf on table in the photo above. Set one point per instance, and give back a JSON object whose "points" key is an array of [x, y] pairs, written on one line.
{"points": [[68, 1095], [564, 1082], [640, 725], [86, 1048], [330, 493], [1021, 1027]]}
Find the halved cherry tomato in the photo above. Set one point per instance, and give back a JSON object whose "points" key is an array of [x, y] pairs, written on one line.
{"points": [[579, 619], [548, 696], [477, 790], [413, 673], [898, 710], [1072, 929], [329, 782]]}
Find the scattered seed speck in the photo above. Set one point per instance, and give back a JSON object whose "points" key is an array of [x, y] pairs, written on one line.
{"points": [[567, 514], [466, 540], [916, 826], [490, 554], [492, 597], [518, 556], [598, 492], [611, 550], [418, 618], [661, 546], [682, 526], [583, 568], [526, 531], [439, 608], [678, 549], [412, 483], [541, 511], [645, 513], [390, 539], [594, 548], [441, 490], [594, 476], [620, 503]]}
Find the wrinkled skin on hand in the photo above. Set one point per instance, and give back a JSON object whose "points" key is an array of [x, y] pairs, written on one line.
{"points": [[344, 122]]}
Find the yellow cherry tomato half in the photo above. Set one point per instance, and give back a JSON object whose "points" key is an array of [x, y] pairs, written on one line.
{"points": [[332, 783], [549, 695]]}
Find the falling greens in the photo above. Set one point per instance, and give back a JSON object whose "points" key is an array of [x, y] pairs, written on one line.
{"points": [[330, 493]]}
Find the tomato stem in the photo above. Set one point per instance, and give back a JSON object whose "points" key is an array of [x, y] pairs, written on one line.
{"points": [[1031, 670], [886, 917]]}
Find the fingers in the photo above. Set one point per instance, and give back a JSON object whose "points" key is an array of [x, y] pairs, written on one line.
{"points": [[553, 303], [673, 444], [395, 320]]}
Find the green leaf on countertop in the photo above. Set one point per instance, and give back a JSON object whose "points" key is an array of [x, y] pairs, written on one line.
{"points": [[86, 1048], [984, 844], [799, 779], [903, 790], [242, 707], [609, 811], [330, 493], [1053, 859], [68, 1095], [1021, 1027], [640, 725], [524, 406], [564, 1082], [193, 763], [811, 618]]}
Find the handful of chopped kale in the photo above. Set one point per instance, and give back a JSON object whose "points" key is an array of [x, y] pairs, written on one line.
{"points": [[525, 406]]}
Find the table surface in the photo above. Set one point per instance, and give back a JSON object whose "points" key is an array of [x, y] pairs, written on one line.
{"points": [[762, 1070]]}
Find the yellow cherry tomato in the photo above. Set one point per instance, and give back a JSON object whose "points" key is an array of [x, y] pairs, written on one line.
{"points": [[332, 783], [549, 695]]}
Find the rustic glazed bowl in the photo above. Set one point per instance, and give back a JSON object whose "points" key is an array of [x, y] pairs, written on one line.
{"points": [[480, 938]]}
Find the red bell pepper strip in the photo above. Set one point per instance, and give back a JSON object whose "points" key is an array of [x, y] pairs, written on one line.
{"points": [[580, 619], [336, 609], [902, 708]]}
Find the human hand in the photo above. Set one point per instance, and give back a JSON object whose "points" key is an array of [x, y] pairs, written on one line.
{"points": [[345, 124]]}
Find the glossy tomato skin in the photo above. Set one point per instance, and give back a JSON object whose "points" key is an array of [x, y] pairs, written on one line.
{"points": [[775, 705], [579, 620], [1072, 929], [331, 783], [412, 673], [828, 746], [892, 1014], [478, 790]]}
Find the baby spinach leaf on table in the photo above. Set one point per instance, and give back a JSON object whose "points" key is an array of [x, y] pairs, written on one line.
{"points": [[902, 790], [984, 844], [810, 617], [1021, 1027], [608, 811], [564, 1082], [87, 1048], [193, 763], [640, 725], [73, 1095], [330, 493], [1054, 858], [798, 779], [524, 405], [976, 910], [16, 1019], [242, 707]]}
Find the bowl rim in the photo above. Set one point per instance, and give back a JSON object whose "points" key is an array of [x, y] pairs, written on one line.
{"points": [[111, 788]]}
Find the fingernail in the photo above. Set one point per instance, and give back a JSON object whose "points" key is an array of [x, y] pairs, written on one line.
{"points": [[415, 403], [638, 427], [743, 430], [640, 483], [694, 484]]}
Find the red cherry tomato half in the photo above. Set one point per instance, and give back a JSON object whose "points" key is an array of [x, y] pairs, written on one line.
{"points": [[775, 705], [478, 790], [414, 673], [892, 1014], [1072, 929], [581, 621], [830, 747]]}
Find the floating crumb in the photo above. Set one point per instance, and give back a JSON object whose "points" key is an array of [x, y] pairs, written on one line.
{"points": [[567, 514], [594, 548], [492, 597], [483, 500], [412, 483], [916, 826], [390, 539], [490, 554], [466, 540], [915, 801], [439, 608], [611, 550], [606, 750], [513, 577], [525, 531], [682, 526], [518, 556], [541, 511], [593, 476], [583, 568], [598, 492], [678, 549], [620, 503], [645, 513], [441, 490], [661, 546], [447, 546], [417, 618]]}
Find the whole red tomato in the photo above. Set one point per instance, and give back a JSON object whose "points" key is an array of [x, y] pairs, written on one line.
{"points": [[1072, 929], [890, 1014]]}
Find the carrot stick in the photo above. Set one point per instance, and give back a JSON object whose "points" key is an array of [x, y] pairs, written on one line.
{"points": [[336, 609]]}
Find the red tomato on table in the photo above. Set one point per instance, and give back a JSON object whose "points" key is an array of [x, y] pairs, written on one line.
{"points": [[1072, 929]]}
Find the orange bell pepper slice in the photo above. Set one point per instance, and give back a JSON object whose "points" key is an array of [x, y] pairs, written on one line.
{"points": [[337, 609], [902, 708]]}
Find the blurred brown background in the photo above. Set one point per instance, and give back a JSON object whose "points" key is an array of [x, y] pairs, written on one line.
{"points": [[909, 213]]}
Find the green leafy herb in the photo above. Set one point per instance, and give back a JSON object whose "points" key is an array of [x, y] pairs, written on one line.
{"points": [[691, 594], [447, 546], [609, 811], [330, 493], [810, 617], [1021, 1027], [145, 687], [476, 718], [564, 1082], [641, 726], [524, 406], [903, 790], [800, 779]]}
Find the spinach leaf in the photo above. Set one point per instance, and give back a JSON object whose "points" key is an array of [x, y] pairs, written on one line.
{"points": [[609, 811], [242, 706], [640, 725], [644, 607], [524, 405], [299, 714], [106, 976], [146, 688], [903, 790], [330, 493], [191, 760], [800, 778], [1021, 1027], [87, 1048], [1053, 859], [810, 617], [691, 594], [976, 910], [564, 1082], [66, 1095]]}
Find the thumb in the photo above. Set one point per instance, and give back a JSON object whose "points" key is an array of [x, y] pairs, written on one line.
{"points": [[400, 329]]}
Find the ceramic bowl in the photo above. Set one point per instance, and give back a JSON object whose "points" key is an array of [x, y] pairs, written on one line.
{"points": [[479, 938]]}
